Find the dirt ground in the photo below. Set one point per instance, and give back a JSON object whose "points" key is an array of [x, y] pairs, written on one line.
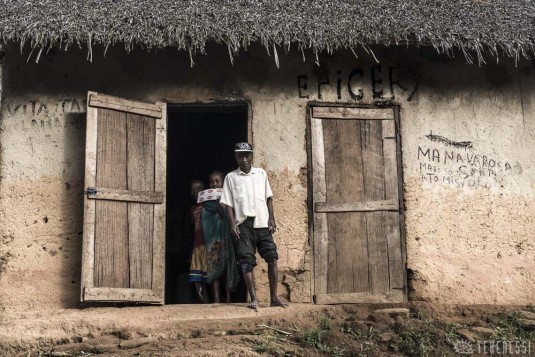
{"points": [[410, 329]]}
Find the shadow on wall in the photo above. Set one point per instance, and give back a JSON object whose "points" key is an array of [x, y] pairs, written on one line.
{"points": [[416, 284], [72, 202]]}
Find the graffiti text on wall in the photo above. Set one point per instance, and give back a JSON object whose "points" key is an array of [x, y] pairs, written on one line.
{"points": [[448, 142], [42, 115], [382, 84], [447, 162]]}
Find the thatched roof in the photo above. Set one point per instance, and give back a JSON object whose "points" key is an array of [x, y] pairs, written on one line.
{"points": [[474, 26]]}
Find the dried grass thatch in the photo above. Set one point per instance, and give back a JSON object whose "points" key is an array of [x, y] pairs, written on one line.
{"points": [[474, 26]]}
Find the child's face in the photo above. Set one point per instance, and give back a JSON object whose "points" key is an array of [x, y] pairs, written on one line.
{"points": [[216, 181], [196, 187]]}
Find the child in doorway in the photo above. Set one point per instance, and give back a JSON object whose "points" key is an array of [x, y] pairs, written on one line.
{"points": [[198, 268], [220, 250]]}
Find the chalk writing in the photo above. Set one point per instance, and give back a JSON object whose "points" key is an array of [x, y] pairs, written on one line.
{"points": [[360, 94], [448, 142], [37, 108], [454, 163], [302, 85], [415, 89], [36, 115]]}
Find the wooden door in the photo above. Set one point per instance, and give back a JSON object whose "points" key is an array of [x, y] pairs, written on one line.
{"points": [[358, 250], [124, 206]]}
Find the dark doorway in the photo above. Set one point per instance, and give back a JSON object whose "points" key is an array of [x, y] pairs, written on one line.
{"points": [[200, 139]]}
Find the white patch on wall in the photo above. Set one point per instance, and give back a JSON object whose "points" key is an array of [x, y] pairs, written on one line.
{"points": [[49, 129], [459, 164]]}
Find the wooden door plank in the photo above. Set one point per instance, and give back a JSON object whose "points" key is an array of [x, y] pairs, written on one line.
{"points": [[160, 170], [88, 257], [394, 296], [365, 206], [347, 249], [347, 253], [378, 252], [401, 204], [352, 113], [109, 102], [390, 160], [127, 195], [395, 263], [121, 294], [310, 201], [374, 183], [140, 158], [320, 219], [392, 222], [111, 232]]}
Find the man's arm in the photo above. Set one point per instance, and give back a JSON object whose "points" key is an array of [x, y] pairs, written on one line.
{"points": [[272, 225], [226, 201], [269, 200], [232, 221]]}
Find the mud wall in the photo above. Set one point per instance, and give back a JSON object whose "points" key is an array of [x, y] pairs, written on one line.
{"points": [[42, 161], [466, 141], [470, 184]]}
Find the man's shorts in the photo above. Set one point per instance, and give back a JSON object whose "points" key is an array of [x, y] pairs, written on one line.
{"points": [[252, 239]]}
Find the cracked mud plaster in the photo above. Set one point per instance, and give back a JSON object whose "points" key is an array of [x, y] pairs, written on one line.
{"points": [[477, 249], [294, 252], [45, 231], [41, 248]]}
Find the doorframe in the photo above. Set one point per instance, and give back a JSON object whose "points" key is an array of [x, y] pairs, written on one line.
{"points": [[310, 184], [221, 103], [211, 104]]}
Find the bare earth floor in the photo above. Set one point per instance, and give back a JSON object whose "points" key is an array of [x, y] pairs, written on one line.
{"points": [[411, 329]]}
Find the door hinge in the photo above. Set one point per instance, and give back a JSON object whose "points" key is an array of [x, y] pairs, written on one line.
{"points": [[91, 191]]}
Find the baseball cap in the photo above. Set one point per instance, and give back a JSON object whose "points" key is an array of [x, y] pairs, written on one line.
{"points": [[243, 147]]}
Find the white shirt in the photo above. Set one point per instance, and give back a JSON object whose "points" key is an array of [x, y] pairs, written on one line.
{"points": [[248, 194]]}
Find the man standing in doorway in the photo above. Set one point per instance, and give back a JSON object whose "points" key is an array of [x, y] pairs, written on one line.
{"points": [[248, 200]]}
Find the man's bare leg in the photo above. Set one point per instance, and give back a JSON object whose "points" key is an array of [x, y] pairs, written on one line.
{"points": [[249, 283], [273, 274]]}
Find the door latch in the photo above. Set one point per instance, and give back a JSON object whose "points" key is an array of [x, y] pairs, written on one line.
{"points": [[392, 137]]}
